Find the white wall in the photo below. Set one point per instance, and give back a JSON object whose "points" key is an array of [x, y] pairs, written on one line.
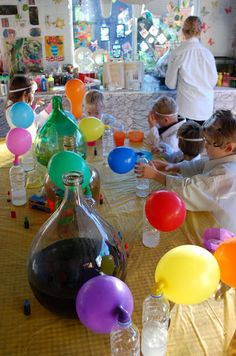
{"points": [[49, 8], [220, 19]]}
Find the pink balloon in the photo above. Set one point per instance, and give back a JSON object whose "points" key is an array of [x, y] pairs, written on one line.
{"points": [[18, 141]]}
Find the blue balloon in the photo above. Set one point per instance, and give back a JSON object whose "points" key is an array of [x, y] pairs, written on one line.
{"points": [[71, 116], [21, 115], [122, 159]]}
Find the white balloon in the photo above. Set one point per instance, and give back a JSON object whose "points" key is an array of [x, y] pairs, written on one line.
{"points": [[81, 54]]}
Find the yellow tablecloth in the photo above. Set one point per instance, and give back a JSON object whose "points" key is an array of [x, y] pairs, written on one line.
{"points": [[204, 329]]}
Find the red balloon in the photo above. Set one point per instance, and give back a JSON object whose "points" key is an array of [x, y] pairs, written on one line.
{"points": [[165, 210]]}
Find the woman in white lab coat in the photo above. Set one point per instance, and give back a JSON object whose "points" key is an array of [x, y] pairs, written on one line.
{"points": [[192, 71]]}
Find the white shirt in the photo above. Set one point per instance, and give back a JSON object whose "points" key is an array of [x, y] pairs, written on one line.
{"points": [[192, 70], [169, 136], [208, 185]]}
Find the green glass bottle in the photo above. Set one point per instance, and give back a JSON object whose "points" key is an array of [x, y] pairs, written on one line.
{"points": [[50, 138]]}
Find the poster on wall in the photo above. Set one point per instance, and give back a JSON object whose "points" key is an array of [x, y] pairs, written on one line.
{"points": [[83, 32], [54, 48], [24, 55]]}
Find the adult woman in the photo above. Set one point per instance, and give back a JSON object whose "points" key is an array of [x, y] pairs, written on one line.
{"points": [[192, 70]]}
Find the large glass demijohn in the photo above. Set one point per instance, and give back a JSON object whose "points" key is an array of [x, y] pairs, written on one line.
{"points": [[74, 245], [50, 138]]}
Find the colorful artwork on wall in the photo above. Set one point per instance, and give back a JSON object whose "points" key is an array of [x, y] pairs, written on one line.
{"points": [[54, 48], [5, 22], [59, 23], [35, 32], [24, 55], [82, 33], [9, 33]]}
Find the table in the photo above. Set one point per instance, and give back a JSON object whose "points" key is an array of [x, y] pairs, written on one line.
{"points": [[204, 329]]}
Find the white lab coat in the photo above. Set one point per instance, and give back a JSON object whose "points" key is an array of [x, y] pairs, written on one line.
{"points": [[168, 137], [192, 70], [208, 185]]}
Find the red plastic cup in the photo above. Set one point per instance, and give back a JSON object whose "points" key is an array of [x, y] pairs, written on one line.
{"points": [[119, 138]]}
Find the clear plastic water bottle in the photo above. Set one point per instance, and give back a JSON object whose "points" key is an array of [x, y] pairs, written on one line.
{"points": [[28, 161], [151, 236], [125, 337], [142, 184], [107, 142], [155, 318], [17, 181]]}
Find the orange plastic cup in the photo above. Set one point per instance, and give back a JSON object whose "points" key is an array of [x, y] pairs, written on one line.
{"points": [[119, 138]]}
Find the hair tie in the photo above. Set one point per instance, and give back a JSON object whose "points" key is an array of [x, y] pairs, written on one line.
{"points": [[191, 139], [21, 89], [158, 113]]}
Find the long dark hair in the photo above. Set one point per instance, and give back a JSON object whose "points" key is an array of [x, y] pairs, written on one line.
{"points": [[16, 83]]}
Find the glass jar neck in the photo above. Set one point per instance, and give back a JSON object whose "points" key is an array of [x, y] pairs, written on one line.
{"points": [[74, 194], [73, 187], [56, 103]]}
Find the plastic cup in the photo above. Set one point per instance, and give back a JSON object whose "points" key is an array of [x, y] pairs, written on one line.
{"points": [[119, 138]]}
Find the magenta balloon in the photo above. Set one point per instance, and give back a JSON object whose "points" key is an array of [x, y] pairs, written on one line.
{"points": [[214, 236], [18, 141], [98, 300]]}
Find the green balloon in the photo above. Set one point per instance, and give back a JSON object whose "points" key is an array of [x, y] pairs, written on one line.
{"points": [[64, 162]]}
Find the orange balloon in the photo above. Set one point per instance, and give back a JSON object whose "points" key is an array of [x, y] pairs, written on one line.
{"points": [[225, 255], [75, 90]]}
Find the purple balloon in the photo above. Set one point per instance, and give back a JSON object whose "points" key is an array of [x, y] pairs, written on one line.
{"points": [[98, 302], [213, 237]]}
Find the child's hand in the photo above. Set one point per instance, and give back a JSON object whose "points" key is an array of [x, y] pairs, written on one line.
{"points": [[165, 166], [155, 149], [146, 170], [38, 103], [160, 165], [152, 119]]}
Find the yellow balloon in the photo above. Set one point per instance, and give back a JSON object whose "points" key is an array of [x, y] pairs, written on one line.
{"points": [[187, 274], [91, 128]]}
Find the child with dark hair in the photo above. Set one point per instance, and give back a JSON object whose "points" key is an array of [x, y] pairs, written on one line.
{"points": [[22, 88], [190, 141], [207, 184]]}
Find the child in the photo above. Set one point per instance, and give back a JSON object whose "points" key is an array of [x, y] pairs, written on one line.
{"points": [[164, 124], [21, 88], [94, 106], [190, 142], [206, 184]]}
